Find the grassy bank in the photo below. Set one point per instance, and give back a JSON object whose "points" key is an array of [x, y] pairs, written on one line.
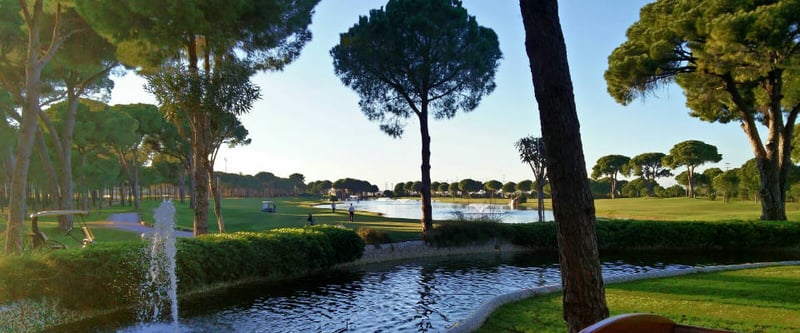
{"points": [[685, 209], [754, 300], [244, 214], [240, 214]]}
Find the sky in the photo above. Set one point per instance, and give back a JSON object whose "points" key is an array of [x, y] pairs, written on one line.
{"points": [[308, 122]]}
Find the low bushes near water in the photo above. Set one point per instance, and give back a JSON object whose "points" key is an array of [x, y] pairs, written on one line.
{"points": [[374, 236], [108, 276], [623, 235]]}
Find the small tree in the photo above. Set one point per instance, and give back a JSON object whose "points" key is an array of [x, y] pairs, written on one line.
{"points": [[417, 57], [525, 186], [509, 188], [691, 153], [726, 182], [468, 186], [298, 182], [454, 189], [650, 167], [492, 186], [533, 152], [612, 166], [749, 180], [443, 187]]}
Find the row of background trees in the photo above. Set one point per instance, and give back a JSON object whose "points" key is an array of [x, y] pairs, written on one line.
{"points": [[197, 57], [743, 181], [125, 152]]}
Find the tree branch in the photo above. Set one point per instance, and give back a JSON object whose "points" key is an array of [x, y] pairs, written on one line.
{"points": [[748, 123]]}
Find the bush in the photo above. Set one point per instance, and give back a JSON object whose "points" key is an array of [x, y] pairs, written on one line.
{"points": [[374, 236], [625, 235], [460, 233], [106, 276]]}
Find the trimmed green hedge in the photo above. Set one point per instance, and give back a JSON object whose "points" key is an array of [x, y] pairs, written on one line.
{"points": [[110, 275], [624, 235]]}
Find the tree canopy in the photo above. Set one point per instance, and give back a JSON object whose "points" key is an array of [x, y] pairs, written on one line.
{"points": [[650, 167], [229, 39], [691, 153], [612, 166], [427, 58], [533, 152], [736, 62]]}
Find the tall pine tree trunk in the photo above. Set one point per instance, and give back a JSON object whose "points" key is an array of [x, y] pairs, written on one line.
{"points": [[540, 199], [573, 206], [200, 177], [215, 192], [27, 134], [425, 188]]}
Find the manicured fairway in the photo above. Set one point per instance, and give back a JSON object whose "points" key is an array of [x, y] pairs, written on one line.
{"points": [[244, 214], [754, 300]]}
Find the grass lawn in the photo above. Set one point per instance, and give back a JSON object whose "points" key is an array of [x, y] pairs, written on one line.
{"points": [[239, 214], [685, 209], [753, 300]]}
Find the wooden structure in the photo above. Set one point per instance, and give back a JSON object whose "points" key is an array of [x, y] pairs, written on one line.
{"points": [[644, 322]]}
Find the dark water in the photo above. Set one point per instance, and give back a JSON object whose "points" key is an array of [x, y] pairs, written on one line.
{"points": [[425, 295]]}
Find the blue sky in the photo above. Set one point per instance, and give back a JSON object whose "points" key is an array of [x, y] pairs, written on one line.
{"points": [[308, 122]]}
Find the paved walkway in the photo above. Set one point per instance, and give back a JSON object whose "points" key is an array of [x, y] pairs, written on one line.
{"points": [[130, 222]]}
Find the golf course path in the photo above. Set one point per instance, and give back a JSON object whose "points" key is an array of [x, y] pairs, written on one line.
{"points": [[130, 222]]}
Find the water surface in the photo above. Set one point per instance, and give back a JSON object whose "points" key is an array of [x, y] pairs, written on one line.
{"points": [[421, 295]]}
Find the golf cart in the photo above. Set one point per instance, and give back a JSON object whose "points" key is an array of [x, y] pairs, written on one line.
{"points": [[268, 207], [39, 239]]}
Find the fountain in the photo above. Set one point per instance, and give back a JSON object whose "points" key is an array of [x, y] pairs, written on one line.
{"points": [[478, 208], [160, 285]]}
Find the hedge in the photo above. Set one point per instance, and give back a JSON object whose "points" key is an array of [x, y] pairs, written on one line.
{"points": [[625, 235], [110, 275]]}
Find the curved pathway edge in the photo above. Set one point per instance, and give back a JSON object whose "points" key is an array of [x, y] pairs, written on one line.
{"points": [[475, 320]]}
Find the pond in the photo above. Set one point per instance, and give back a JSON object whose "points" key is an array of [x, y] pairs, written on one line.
{"points": [[411, 209], [421, 295]]}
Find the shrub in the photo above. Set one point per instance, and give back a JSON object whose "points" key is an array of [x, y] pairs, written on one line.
{"points": [[459, 233], [374, 236], [106, 276], [624, 235]]}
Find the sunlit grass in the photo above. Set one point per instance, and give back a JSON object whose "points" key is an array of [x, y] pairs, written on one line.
{"points": [[685, 209], [244, 214], [753, 300]]}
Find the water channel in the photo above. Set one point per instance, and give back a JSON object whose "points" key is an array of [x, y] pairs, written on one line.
{"points": [[421, 295]]}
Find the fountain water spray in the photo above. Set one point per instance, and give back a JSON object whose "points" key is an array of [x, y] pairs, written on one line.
{"points": [[160, 286]]}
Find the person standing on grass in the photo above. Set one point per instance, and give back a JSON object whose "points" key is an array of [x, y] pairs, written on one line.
{"points": [[352, 211]]}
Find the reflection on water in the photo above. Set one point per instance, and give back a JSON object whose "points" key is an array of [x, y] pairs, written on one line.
{"points": [[422, 295], [411, 209]]}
